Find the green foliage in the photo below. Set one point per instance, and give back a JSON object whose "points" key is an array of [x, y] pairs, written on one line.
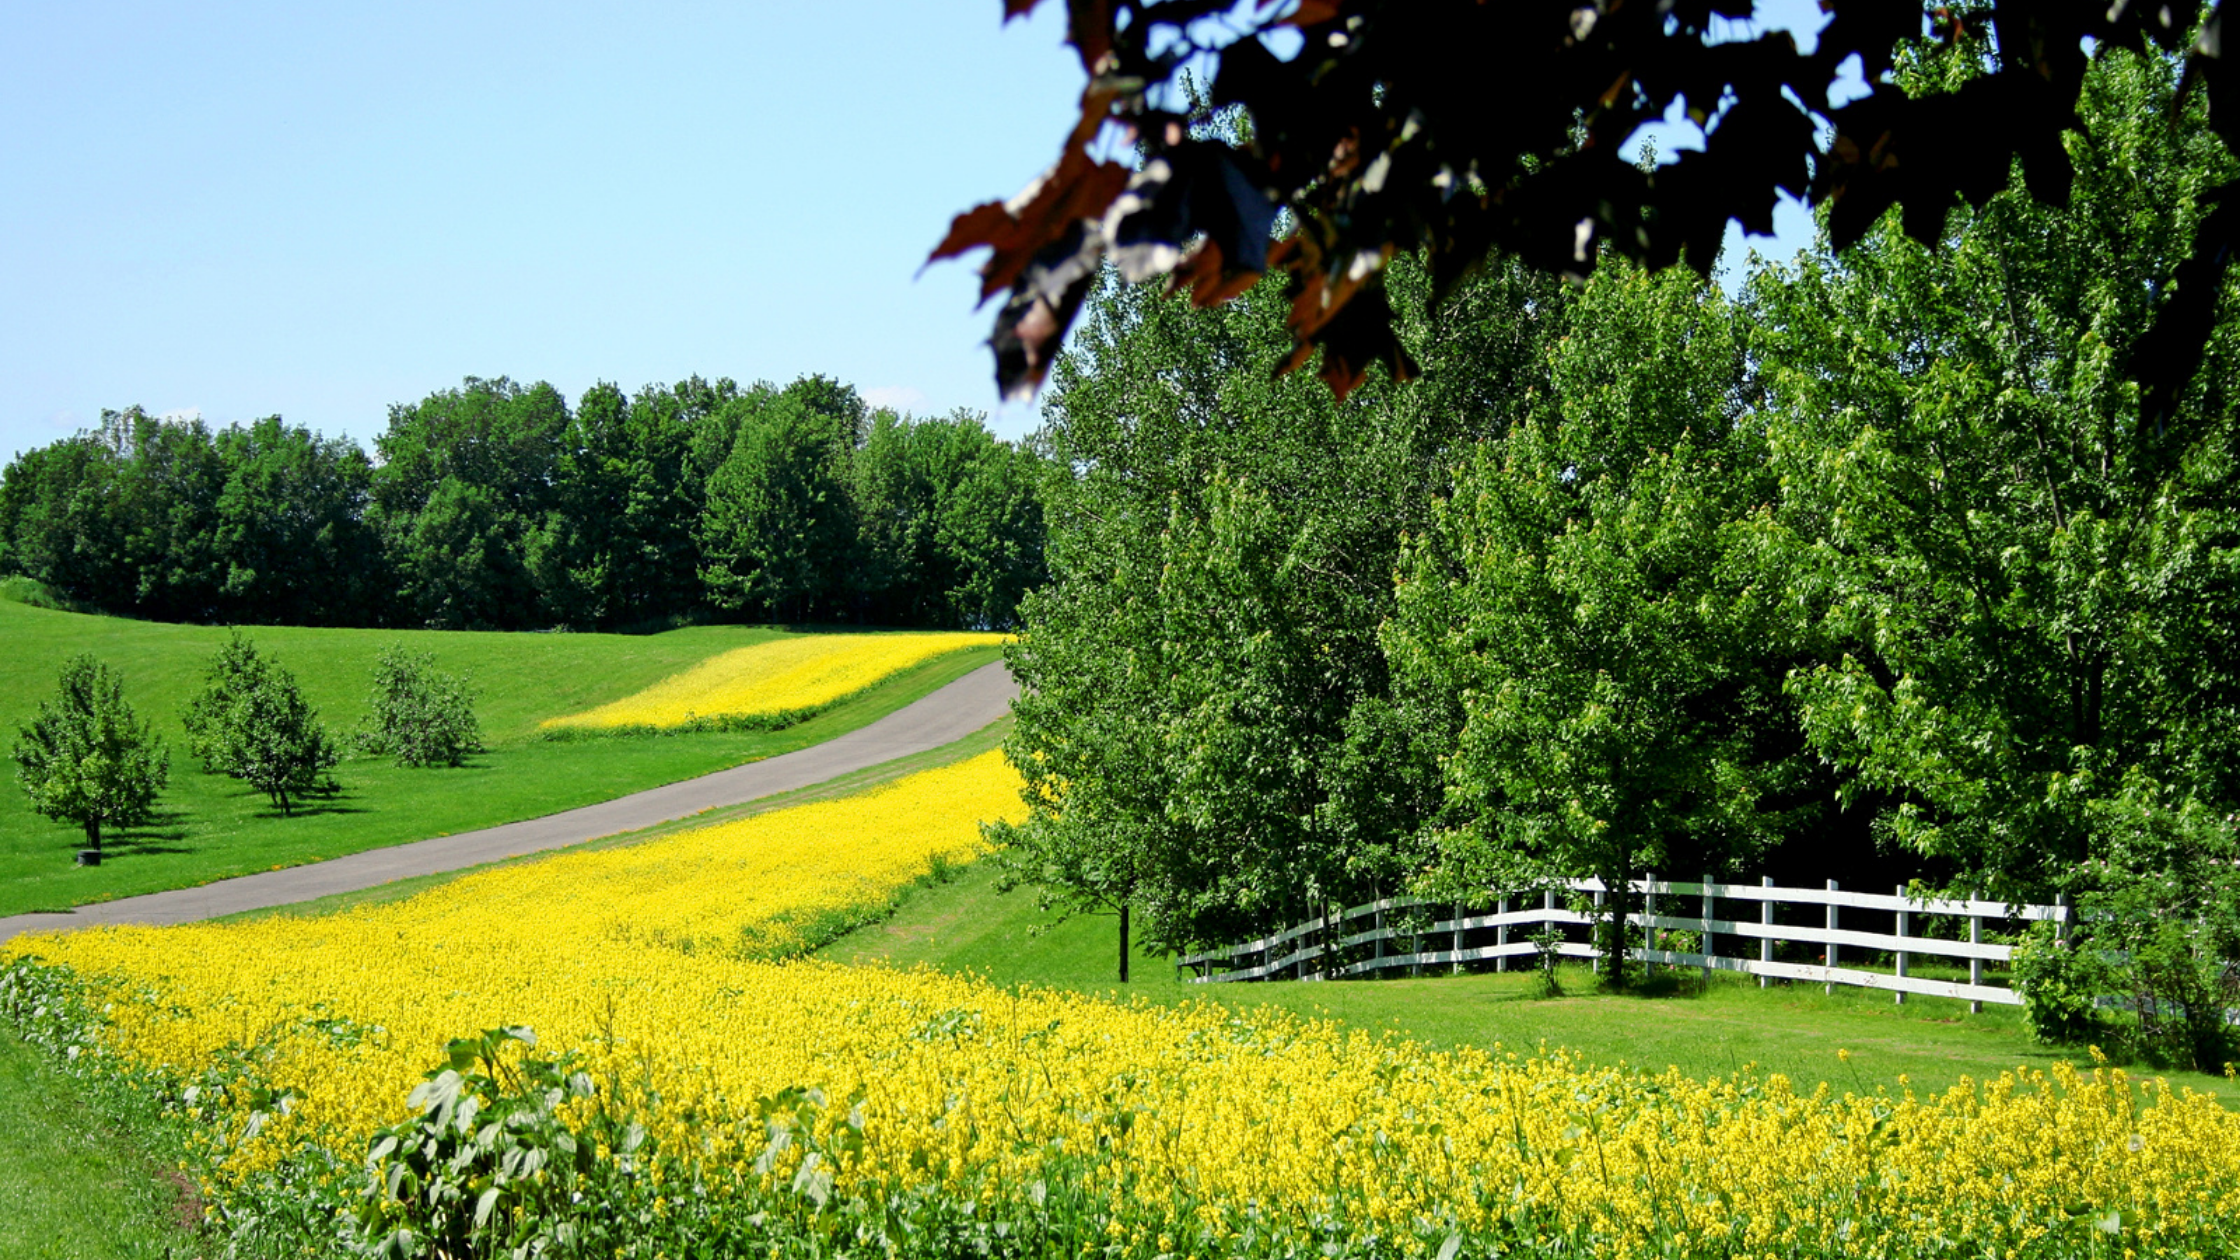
{"points": [[502, 1157], [235, 670], [778, 529], [86, 759], [1595, 595], [949, 522], [271, 738], [417, 713], [2028, 595], [1206, 723], [2060, 987]]}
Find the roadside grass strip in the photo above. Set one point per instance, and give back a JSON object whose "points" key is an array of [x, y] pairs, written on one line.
{"points": [[768, 685], [693, 1089]]}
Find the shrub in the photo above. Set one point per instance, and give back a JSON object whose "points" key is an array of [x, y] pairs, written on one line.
{"points": [[422, 716], [2059, 984]]}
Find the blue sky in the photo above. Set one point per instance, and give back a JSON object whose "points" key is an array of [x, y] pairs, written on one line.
{"points": [[319, 210]]}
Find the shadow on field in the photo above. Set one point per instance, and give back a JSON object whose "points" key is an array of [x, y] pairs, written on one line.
{"points": [[164, 832]]}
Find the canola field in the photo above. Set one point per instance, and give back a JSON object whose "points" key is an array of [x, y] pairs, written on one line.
{"points": [[771, 684], [690, 1091]]}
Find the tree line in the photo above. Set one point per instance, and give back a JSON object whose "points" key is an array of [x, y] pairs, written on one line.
{"points": [[1870, 570], [497, 506]]}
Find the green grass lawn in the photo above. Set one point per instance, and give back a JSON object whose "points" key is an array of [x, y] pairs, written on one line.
{"points": [[210, 826], [72, 1186], [1703, 1030]]}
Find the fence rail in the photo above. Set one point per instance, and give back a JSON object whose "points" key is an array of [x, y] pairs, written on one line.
{"points": [[1407, 932]]}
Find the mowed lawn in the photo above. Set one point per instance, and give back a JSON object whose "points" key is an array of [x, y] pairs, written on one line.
{"points": [[209, 826], [1926, 1044]]}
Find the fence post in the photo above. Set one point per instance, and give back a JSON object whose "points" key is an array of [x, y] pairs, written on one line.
{"points": [[1548, 904], [1650, 936], [1501, 934], [1457, 939], [1594, 962], [1905, 923], [1830, 987], [1975, 965], [2061, 920], [1708, 948], [1324, 939], [1765, 916], [1378, 925]]}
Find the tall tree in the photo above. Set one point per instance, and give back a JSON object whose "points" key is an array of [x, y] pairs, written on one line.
{"points": [[465, 475], [777, 532], [1603, 596], [2032, 588], [616, 547], [1205, 724]]}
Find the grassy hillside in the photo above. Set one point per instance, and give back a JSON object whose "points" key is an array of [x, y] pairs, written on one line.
{"points": [[211, 826], [1930, 1043]]}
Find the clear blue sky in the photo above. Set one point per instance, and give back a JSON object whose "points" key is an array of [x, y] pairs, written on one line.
{"points": [[319, 210]]}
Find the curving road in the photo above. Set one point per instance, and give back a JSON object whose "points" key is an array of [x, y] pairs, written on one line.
{"points": [[944, 717]]}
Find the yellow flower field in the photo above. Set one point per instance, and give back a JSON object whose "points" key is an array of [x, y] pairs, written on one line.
{"points": [[1186, 1130], [781, 678]]}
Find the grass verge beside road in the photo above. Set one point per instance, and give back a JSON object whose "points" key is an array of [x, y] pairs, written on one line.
{"points": [[211, 827], [1927, 1044]]}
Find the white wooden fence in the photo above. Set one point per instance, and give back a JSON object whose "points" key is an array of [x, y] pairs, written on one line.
{"points": [[1410, 933]]}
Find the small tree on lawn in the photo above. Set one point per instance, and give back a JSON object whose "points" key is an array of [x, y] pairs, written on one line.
{"points": [[419, 714], [86, 759], [234, 672], [275, 742]]}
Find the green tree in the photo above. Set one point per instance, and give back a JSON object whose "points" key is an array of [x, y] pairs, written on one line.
{"points": [[1206, 723], [234, 671], [275, 741], [289, 538], [465, 475], [949, 522], [1595, 595], [251, 721], [86, 759], [2030, 591], [777, 532], [417, 713], [616, 548]]}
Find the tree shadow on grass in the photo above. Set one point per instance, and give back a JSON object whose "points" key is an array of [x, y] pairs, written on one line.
{"points": [[165, 831]]}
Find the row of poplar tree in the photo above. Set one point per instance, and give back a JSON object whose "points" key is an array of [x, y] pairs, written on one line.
{"points": [[497, 506], [1868, 570]]}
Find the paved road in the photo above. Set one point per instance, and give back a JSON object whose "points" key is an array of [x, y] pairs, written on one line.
{"points": [[944, 717]]}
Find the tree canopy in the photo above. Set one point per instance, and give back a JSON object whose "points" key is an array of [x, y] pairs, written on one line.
{"points": [[1469, 131]]}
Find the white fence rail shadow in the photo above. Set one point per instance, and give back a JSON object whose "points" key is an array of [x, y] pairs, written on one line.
{"points": [[1410, 933]]}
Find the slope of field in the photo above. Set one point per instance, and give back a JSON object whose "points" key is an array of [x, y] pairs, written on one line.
{"points": [[1930, 1044], [210, 826], [733, 1105], [766, 684]]}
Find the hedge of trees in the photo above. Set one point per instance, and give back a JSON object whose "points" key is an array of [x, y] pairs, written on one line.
{"points": [[497, 506], [1873, 570]]}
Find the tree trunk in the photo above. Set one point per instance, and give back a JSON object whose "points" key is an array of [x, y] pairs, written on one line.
{"points": [[1123, 942], [93, 834], [1617, 906]]}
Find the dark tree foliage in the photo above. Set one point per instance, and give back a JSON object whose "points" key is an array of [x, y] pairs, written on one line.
{"points": [[465, 475], [166, 519], [1469, 130], [495, 505]]}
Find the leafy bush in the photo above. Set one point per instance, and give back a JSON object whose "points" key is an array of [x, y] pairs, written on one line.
{"points": [[234, 672], [252, 722], [2059, 984], [86, 758], [422, 716]]}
